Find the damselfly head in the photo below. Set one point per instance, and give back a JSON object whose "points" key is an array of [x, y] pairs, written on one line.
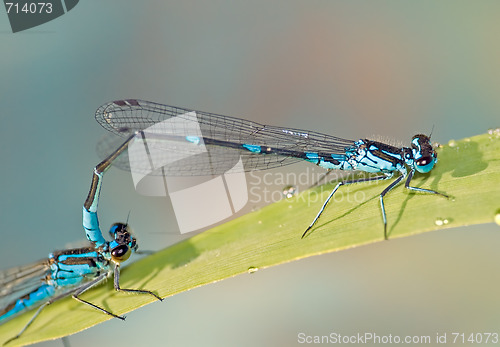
{"points": [[424, 155], [123, 242]]}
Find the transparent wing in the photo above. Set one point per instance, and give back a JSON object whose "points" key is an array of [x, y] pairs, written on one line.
{"points": [[19, 281], [183, 142]]}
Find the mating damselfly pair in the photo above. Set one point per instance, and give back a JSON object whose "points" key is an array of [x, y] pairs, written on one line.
{"points": [[174, 136], [71, 271]]}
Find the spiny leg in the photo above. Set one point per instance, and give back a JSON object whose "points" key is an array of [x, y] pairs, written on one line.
{"points": [[139, 291], [29, 323], [343, 183], [386, 190], [416, 189], [76, 292], [86, 287], [407, 185], [89, 285]]}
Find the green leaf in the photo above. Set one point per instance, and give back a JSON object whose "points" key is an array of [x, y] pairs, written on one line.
{"points": [[468, 171]]}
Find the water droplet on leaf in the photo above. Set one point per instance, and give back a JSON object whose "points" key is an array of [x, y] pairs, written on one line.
{"points": [[497, 217], [441, 221], [289, 191], [252, 269]]}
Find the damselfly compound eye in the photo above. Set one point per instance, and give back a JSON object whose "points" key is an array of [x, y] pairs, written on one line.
{"points": [[424, 161], [120, 253]]}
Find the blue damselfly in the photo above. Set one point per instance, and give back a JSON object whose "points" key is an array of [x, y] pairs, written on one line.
{"points": [[71, 271], [174, 135]]}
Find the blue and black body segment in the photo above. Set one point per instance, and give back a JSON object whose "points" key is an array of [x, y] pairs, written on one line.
{"points": [[63, 271]]}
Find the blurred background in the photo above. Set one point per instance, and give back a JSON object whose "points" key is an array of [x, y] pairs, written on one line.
{"points": [[352, 69]]}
